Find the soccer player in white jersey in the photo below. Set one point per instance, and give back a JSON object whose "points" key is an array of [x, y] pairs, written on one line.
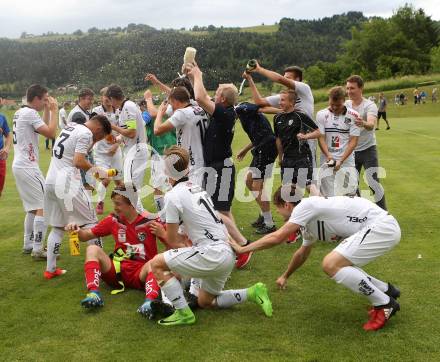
{"points": [[66, 200], [293, 79], [190, 122], [85, 103], [27, 125], [365, 153], [107, 153], [365, 230], [338, 137], [210, 257], [62, 116], [134, 139]]}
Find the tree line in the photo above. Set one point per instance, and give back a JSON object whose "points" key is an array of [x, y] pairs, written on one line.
{"points": [[329, 49]]}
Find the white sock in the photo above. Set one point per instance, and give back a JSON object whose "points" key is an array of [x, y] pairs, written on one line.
{"points": [[40, 229], [228, 298], [383, 286], [356, 280], [194, 286], [159, 201], [174, 292], [28, 238], [53, 248], [268, 218], [164, 298]]}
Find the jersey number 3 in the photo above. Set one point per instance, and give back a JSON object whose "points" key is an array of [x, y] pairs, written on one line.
{"points": [[58, 152]]}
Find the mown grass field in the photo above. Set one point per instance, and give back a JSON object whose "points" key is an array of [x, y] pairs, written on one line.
{"points": [[314, 319]]}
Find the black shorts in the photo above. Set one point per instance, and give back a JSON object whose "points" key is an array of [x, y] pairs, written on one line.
{"points": [[297, 171], [220, 185], [262, 163], [381, 114]]}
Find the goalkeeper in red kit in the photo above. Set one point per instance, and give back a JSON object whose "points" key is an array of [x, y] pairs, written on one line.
{"points": [[128, 266]]}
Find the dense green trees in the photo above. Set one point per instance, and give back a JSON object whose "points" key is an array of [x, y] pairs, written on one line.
{"points": [[330, 48], [383, 48]]}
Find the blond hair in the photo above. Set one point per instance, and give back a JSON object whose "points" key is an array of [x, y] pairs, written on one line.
{"points": [[229, 92]]}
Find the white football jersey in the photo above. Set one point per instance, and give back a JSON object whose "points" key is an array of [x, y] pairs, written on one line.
{"points": [[25, 123], [190, 205], [77, 109], [191, 123], [62, 118], [367, 138], [304, 102], [74, 138], [334, 218], [103, 146], [130, 117], [337, 130]]}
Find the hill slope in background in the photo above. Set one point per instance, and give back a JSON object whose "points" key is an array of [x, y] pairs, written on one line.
{"points": [[124, 55]]}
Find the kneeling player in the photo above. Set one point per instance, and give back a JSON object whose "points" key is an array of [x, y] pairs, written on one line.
{"points": [[135, 246], [366, 231], [210, 259]]}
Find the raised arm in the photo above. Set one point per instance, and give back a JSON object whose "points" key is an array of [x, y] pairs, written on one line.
{"points": [[153, 79], [256, 97], [202, 97], [274, 76]]}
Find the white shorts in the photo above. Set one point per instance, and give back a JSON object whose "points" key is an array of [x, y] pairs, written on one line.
{"points": [[371, 241], [60, 211], [343, 182], [30, 186], [134, 168], [159, 179], [212, 263], [107, 161]]}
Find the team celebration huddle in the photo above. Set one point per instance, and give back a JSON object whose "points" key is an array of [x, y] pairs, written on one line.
{"points": [[182, 248]]}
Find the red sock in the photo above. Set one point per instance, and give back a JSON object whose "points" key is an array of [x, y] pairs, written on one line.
{"points": [[92, 271], [151, 287]]}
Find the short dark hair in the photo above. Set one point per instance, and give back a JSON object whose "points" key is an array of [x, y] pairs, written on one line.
{"points": [[291, 94], [35, 90], [295, 70], [180, 94], [115, 91], [79, 117], [278, 198], [142, 103], [336, 93], [356, 79], [85, 92], [184, 82], [104, 122]]}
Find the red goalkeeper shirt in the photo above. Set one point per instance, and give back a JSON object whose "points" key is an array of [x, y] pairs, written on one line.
{"points": [[136, 239]]}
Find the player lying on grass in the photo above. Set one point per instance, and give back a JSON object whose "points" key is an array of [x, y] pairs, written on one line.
{"points": [[129, 266], [210, 258], [366, 232]]}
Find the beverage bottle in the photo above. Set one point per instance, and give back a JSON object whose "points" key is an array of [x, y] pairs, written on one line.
{"points": [[74, 243], [190, 55]]}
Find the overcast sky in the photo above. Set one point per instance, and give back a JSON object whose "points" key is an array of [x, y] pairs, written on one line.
{"points": [[66, 16]]}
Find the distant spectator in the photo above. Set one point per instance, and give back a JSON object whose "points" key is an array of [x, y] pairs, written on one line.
{"points": [[382, 111], [62, 115], [397, 99], [416, 94], [422, 96], [434, 95], [4, 149], [402, 98]]}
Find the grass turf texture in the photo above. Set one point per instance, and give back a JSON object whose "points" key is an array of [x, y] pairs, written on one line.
{"points": [[314, 319]]}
